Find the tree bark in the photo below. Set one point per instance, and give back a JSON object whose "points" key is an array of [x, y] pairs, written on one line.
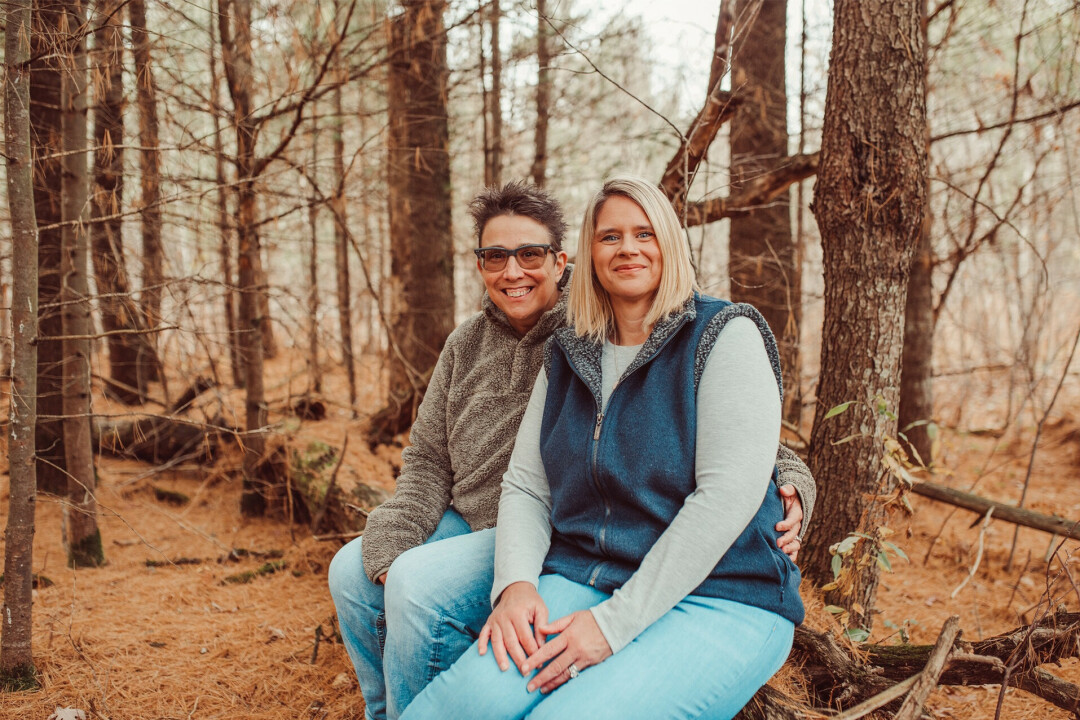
{"points": [[418, 180], [5, 328], [543, 95], [16, 657], [869, 204], [150, 163], [766, 270], [916, 380], [82, 540], [314, 366], [128, 349], [45, 124], [341, 246], [228, 294], [234, 26], [494, 174]]}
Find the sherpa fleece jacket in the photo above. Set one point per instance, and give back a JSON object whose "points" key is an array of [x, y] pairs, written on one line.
{"points": [[464, 432], [461, 441]]}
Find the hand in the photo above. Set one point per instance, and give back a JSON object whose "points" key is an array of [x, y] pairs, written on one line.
{"points": [[514, 626], [579, 643], [791, 525]]}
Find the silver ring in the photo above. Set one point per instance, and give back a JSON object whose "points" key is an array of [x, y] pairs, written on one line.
{"points": [[574, 672]]}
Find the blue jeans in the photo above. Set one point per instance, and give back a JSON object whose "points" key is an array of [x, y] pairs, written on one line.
{"points": [[705, 658], [401, 635]]}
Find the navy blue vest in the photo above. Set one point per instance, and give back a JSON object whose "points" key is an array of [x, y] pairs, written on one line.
{"points": [[619, 478]]}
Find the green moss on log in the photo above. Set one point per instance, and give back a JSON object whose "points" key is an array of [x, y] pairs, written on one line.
{"points": [[21, 678], [171, 497], [88, 552], [247, 576]]}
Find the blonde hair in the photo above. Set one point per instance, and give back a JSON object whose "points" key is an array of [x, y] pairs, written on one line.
{"points": [[588, 306]]}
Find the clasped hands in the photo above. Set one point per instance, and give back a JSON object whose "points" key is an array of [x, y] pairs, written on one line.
{"points": [[518, 630]]}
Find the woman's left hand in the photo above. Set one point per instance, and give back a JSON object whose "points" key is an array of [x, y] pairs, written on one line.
{"points": [[791, 525], [579, 644]]}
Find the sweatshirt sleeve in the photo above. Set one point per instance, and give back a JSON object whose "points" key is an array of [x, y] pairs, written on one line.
{"points": [[523, 532], [791, 470], [738, 429], [423, 488]]}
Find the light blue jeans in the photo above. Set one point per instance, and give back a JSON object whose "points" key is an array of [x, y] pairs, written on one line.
{"points": [[705, 658], [436, 599]]}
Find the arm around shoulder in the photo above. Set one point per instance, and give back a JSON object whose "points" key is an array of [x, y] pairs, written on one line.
{"points": [[791, 470]]}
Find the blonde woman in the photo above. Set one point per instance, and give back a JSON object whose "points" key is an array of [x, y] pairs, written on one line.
{"points": [[637, 572]]}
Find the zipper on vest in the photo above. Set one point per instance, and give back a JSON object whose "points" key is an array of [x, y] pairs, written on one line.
{"points": [[596, 483]]}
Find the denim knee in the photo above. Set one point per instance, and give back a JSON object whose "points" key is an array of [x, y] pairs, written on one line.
{"points": [[408, 585], [346, 566], [346, 576]]}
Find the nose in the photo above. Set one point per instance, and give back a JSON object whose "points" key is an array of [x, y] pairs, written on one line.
{"points": [[628, 246], [512, 270]]}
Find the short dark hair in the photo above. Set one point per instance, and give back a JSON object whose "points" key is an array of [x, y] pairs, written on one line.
{"points": [[519, 198]]}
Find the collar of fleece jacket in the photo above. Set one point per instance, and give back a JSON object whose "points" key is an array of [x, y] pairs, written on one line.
{"points": [[549, 321]]}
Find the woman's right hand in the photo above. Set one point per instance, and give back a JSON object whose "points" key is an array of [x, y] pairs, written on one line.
{"points": [[511, 628]]}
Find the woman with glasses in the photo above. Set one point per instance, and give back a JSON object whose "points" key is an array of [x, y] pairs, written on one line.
{"points": [[414, 592], [637, 573]]}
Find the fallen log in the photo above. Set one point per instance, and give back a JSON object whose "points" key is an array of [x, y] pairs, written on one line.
{"points": [[925, 683], [337, 502], [839, 681], [156, 438], [1002, 511]]}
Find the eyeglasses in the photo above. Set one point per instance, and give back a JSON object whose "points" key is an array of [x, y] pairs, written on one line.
{"points": [[529, 257]]}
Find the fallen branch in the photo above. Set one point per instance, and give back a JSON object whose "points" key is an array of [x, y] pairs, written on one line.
{"points": [[1002, 511], [882, 675], [928, 679], [757, 192]]}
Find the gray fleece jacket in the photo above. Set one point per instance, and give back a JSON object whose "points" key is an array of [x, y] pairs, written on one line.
{"points": [[461, 442]]}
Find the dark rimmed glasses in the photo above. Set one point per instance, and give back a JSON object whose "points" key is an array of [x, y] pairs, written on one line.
{"points": [[529, 257]]}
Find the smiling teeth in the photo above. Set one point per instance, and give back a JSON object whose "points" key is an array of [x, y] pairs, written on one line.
{"points": [[518, 292]]}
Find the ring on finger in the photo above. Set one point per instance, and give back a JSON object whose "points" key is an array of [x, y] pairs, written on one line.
{"points": [[573, 670]]}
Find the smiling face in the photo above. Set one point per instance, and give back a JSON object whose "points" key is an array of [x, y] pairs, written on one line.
{"points": [[524, 295], [625, 255]]}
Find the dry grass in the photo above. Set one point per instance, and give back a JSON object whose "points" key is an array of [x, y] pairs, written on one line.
{"points": [[129, 641]]}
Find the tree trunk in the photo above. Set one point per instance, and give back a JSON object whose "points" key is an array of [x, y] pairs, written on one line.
{"points": [[150, 162], [916, 380], [225, 248], [314, 366], [45, 124], [341, 246], [120, 316], [494, 174], [869, 204], [766, 270], [82, 540], [5, 328], [234, 25], [543, 94], [16, 657], [266, 326], [418, 182]]}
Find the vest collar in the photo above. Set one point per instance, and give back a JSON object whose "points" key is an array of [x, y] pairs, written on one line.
{"points": [[584, 355]]}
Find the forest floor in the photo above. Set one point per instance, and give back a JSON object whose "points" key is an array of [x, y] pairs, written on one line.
{"points": [[165, 630]]}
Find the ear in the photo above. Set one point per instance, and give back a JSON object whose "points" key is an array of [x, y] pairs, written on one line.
{"points": [[560, 264], [479, 267]]}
